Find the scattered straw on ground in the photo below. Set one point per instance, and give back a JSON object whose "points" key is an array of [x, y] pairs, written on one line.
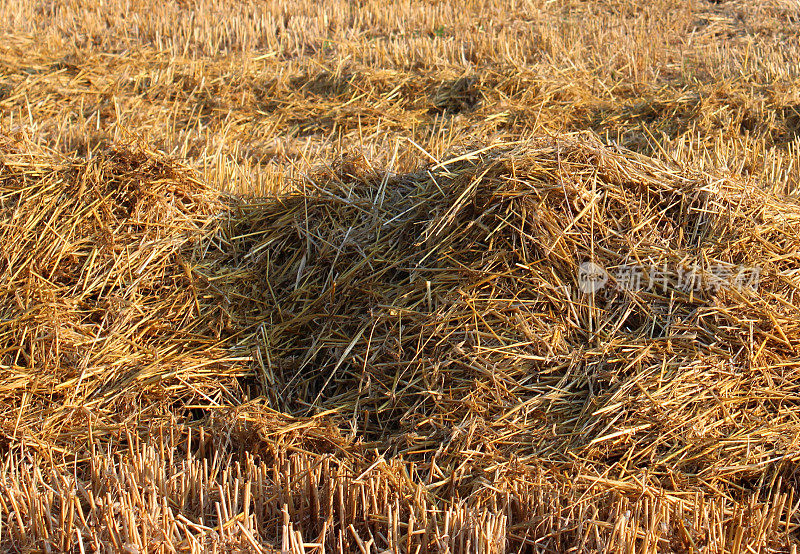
{"points": [[406, 362]]}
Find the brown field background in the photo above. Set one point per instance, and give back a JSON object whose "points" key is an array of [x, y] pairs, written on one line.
{"points": [[300, 276]]}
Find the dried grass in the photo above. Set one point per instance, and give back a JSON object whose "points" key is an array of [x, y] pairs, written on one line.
{"points": [[417, 352], [378, 344]]}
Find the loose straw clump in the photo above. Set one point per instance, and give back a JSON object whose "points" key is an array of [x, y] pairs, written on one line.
{"points": [[442, 311], [99, 306]]}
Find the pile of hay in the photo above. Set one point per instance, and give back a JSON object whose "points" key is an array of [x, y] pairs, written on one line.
{"points": [[101, 313], [403, 362]]}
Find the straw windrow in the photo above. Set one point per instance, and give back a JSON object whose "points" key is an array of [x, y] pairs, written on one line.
{"points": [[418, 343]]}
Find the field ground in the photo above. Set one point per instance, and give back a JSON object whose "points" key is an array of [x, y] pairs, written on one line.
{"points": [[304, 276]]}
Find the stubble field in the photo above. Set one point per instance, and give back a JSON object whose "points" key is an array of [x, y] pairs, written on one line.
{"points": [[307, 276]]}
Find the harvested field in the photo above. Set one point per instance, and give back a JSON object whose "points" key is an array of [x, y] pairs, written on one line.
{"points": [[437, 277]]}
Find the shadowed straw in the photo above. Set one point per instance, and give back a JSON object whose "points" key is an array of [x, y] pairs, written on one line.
{"points": [[418, 305]]}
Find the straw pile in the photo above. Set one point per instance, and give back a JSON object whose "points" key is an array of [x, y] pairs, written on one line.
{"points": [[422, 306], [398, 362], [98, 301]]}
